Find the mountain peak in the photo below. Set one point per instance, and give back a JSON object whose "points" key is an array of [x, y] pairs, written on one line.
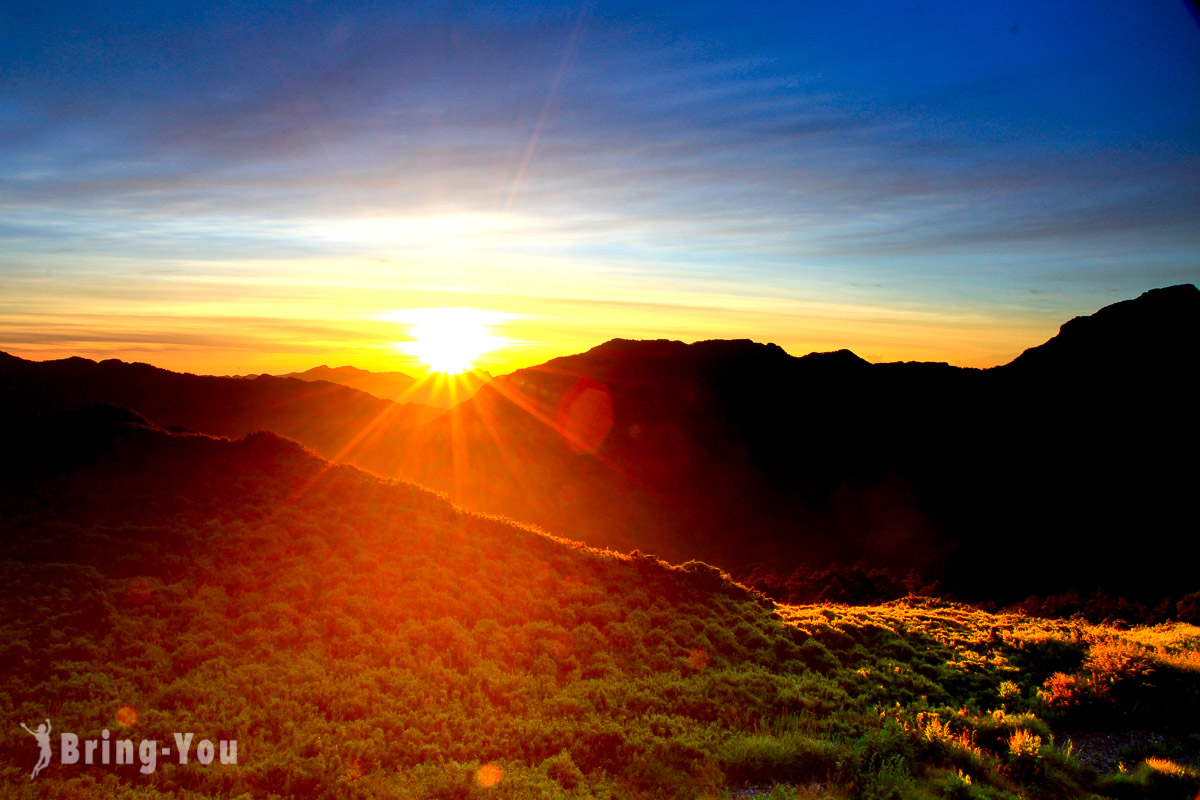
{"points": [[836, 358], [1156, 328], [655, 349]]}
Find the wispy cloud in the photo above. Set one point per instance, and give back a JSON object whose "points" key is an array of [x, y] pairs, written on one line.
{"points": [[802, 149]]}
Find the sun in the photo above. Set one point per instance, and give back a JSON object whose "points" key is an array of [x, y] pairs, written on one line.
{"points": [[449, 340]]}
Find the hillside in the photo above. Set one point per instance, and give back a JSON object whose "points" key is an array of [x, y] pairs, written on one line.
{"points": [[735, 452], [362, 638], [433, 389], [325, 416], [998, 483]]}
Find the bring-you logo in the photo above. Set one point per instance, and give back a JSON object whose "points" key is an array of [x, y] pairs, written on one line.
{"points": [[106, 750]]}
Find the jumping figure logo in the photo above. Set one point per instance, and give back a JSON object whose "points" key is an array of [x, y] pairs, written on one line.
{"points": [[108, 750], [42, 734]]}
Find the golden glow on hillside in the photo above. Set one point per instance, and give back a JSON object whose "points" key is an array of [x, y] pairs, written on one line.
{"points": [[449, 339]]}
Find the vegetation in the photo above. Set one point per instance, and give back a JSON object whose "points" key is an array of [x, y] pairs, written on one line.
{"points": [[856, 585], [366, 639]]}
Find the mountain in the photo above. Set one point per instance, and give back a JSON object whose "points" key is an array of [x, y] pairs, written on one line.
{"points": [[1069, 468], [326, 417], [433, 389], [351, 637], [733, 451], [1149, 334]]}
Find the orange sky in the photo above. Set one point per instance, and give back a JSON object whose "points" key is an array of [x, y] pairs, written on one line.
{"points": [[288, 316]]}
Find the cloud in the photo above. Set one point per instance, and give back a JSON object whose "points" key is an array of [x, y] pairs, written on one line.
{"points": [[800, 148]]}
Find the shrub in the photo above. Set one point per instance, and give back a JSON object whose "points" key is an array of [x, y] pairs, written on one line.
{"points": [[1024, 750], [1116, 664], [758, 757], [889, 779], [563, 770], [1153, 778], [959, 786], [1024, 744], [1188, 608], [1008, 691], [995, 730], [817, 657], [939, 740], [1061, 691]]}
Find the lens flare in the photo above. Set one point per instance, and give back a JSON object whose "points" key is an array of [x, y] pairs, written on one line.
{"points": [[585, 415], [127, 716], [489, 775]]}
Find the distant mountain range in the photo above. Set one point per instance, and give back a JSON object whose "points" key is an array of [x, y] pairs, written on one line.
{"points": [[1074, 466], [324, 416], [433, 389]]}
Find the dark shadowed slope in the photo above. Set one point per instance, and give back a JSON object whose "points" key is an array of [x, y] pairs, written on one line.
{"points": [[326, 417], [1068, 468], [1072, 467], [729, 449], [1150, 334]]}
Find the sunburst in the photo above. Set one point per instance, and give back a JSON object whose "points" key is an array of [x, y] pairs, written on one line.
{"points": [[450, 340]]}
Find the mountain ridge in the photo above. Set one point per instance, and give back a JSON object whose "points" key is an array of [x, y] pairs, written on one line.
{"points": [[1133, 329], [433, 389], [750, 456], [745, 456], [325, 416]]}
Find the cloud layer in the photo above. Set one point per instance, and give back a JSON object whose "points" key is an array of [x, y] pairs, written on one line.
{"points": [[890, 156]]}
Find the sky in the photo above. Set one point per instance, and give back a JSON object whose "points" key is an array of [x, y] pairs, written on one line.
{"points": [[242, 187]]}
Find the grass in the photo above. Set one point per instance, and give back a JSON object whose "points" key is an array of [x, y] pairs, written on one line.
{"points": [[365, 639]]}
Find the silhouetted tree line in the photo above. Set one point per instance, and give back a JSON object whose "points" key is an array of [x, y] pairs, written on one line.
{"points": [[1103, 607]]}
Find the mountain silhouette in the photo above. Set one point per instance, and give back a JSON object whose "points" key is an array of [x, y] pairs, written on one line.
{"points": [[1072, 467], [727, 450], [434, 389], [324, 416], [1068, 468], [1148, 334]]}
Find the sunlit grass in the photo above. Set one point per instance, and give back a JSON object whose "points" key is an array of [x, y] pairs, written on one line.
{"points": [[367, 639]]}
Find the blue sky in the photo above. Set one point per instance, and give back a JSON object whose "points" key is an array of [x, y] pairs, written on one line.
{"points": [[252, 185]]}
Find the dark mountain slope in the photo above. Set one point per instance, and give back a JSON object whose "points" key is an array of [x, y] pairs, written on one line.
{"points": [[386, 385], [733, 451], [1068, 468], [1087, 454], [325, 416], [1149, 334]]}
